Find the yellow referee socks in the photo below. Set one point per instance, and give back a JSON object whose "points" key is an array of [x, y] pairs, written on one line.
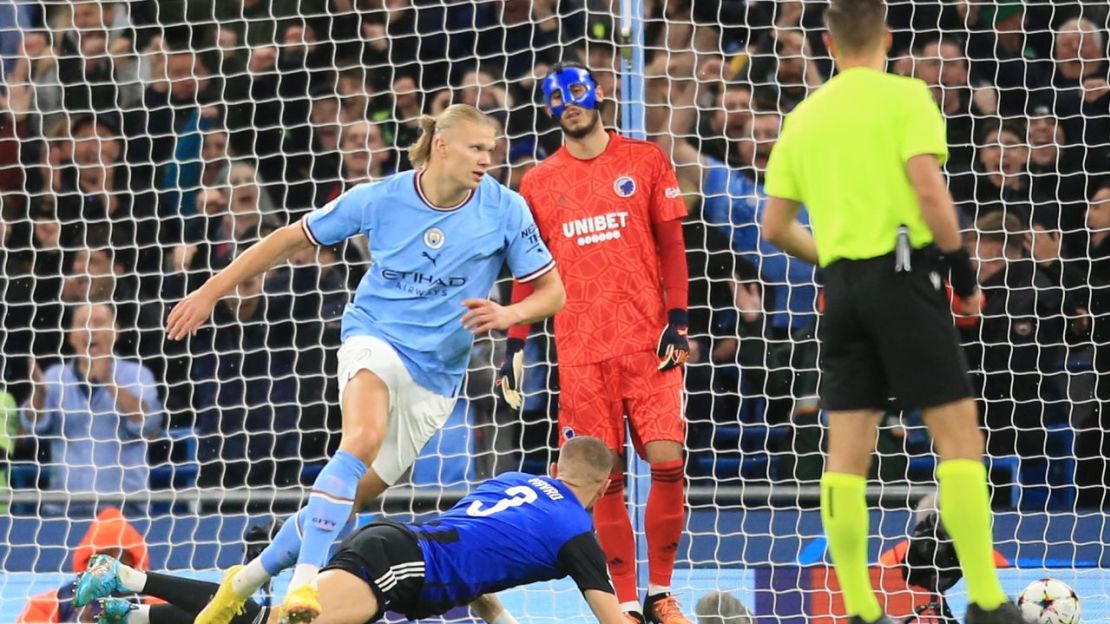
{"points": [[844, 514], [965, 512]]}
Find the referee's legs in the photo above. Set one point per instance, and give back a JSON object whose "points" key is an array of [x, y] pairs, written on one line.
{"points": [[844, 506], [964, 498]]}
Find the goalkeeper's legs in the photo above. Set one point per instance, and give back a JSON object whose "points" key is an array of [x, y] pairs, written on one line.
{"points": [[844, 507], [653, 400], [663, 520], [964, 498]]}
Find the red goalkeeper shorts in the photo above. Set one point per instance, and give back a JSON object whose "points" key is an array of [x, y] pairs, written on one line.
{"points": [[594, 399]]}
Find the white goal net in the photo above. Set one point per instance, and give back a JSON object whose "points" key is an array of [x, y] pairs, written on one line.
{"points": [[143, 144]]}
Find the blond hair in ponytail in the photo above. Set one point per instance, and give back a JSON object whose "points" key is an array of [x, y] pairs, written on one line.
{"points": [[420, 152]]}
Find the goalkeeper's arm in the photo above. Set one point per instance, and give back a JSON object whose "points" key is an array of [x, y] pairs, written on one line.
{"points": [[196, 307]]}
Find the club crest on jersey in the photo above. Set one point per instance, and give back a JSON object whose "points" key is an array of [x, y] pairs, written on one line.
{"points": [[624, 186], [568, 433], [433, 237]]}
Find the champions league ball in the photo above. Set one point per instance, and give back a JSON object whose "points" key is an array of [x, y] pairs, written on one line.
{"points": [[1049, 601]]}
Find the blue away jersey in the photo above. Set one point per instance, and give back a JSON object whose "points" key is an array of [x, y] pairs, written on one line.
{"points": [[425, 261], [512, 530]]}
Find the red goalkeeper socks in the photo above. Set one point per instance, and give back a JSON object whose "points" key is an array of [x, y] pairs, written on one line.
{"points": [[666, 510], [614, 531]]}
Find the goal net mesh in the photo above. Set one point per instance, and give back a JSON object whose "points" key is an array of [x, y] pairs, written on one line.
{"points": [[144, 144]]}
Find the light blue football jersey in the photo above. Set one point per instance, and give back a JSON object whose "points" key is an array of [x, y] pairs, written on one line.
{"points": [[425, 261]]}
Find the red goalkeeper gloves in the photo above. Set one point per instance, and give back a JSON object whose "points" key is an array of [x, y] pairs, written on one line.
{"points": [[510, 376], [673, 347]]}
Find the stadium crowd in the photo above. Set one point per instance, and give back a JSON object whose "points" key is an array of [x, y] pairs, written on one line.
{"points": [[143, 144]]}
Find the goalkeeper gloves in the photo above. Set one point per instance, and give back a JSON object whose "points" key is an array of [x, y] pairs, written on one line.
{"points": [[510, 377], [673, 348]]}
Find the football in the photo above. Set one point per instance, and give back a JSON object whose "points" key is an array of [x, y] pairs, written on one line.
{"points": [[1049, 601]]}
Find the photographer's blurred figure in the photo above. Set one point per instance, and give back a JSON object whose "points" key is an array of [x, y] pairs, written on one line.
{"points": [[927, 560], [719, 607]]}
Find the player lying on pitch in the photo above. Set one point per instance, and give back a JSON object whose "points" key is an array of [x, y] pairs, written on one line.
{"points": [[512, 530]]}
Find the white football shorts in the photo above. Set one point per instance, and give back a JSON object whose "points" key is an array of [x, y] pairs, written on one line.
{"points": [[415, 413]]}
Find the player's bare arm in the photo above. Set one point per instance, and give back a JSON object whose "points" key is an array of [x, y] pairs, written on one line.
{"points": [[196, 307], [546, 299], [605, 607], [940, 215], [781, 228]]}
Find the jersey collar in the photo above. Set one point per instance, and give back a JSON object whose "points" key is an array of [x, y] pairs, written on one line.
{"points": [[428, 203]]}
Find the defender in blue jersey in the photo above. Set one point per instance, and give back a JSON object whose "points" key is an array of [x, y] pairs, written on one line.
{"points": [[438, 237], [512, 530]]}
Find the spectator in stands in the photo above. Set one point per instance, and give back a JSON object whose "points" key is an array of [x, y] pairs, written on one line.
{"points": [[110, 534], [1019, 339], [1098, 225], [43, 328], [102, 273], [249, 202], [720, 132], [1093, 441], [94, 69], [719, 607], [1001, 56], [92, 190], [1080, 86], [399, 120], [98, 410], [787, 65], [15, 107], [364, 155], [940, 62], [354, 101], [778, 357], [215, 156], [1056, 172], [534, 32], [483, 91], [1002, 180], [311, 154], [246, 392], [235, 214], [170, 129]]}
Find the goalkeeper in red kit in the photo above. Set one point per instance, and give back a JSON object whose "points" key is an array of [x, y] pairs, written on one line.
{"points": [[609, 209]]}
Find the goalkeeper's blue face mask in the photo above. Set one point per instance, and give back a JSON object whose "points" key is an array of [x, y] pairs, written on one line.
{"points": [[562, 82]]}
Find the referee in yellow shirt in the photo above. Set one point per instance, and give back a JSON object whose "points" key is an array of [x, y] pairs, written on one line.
{"points": [[863, 154]]}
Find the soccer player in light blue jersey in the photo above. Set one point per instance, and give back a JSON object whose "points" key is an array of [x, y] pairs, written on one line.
{"points": [[438, 238]]}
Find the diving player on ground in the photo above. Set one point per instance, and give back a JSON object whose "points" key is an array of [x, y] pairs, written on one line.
{"points": [[512, 530], [610, 210]]}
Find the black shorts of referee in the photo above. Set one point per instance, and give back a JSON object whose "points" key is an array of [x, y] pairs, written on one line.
{"points": [[887, 335], [387, 556]]}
